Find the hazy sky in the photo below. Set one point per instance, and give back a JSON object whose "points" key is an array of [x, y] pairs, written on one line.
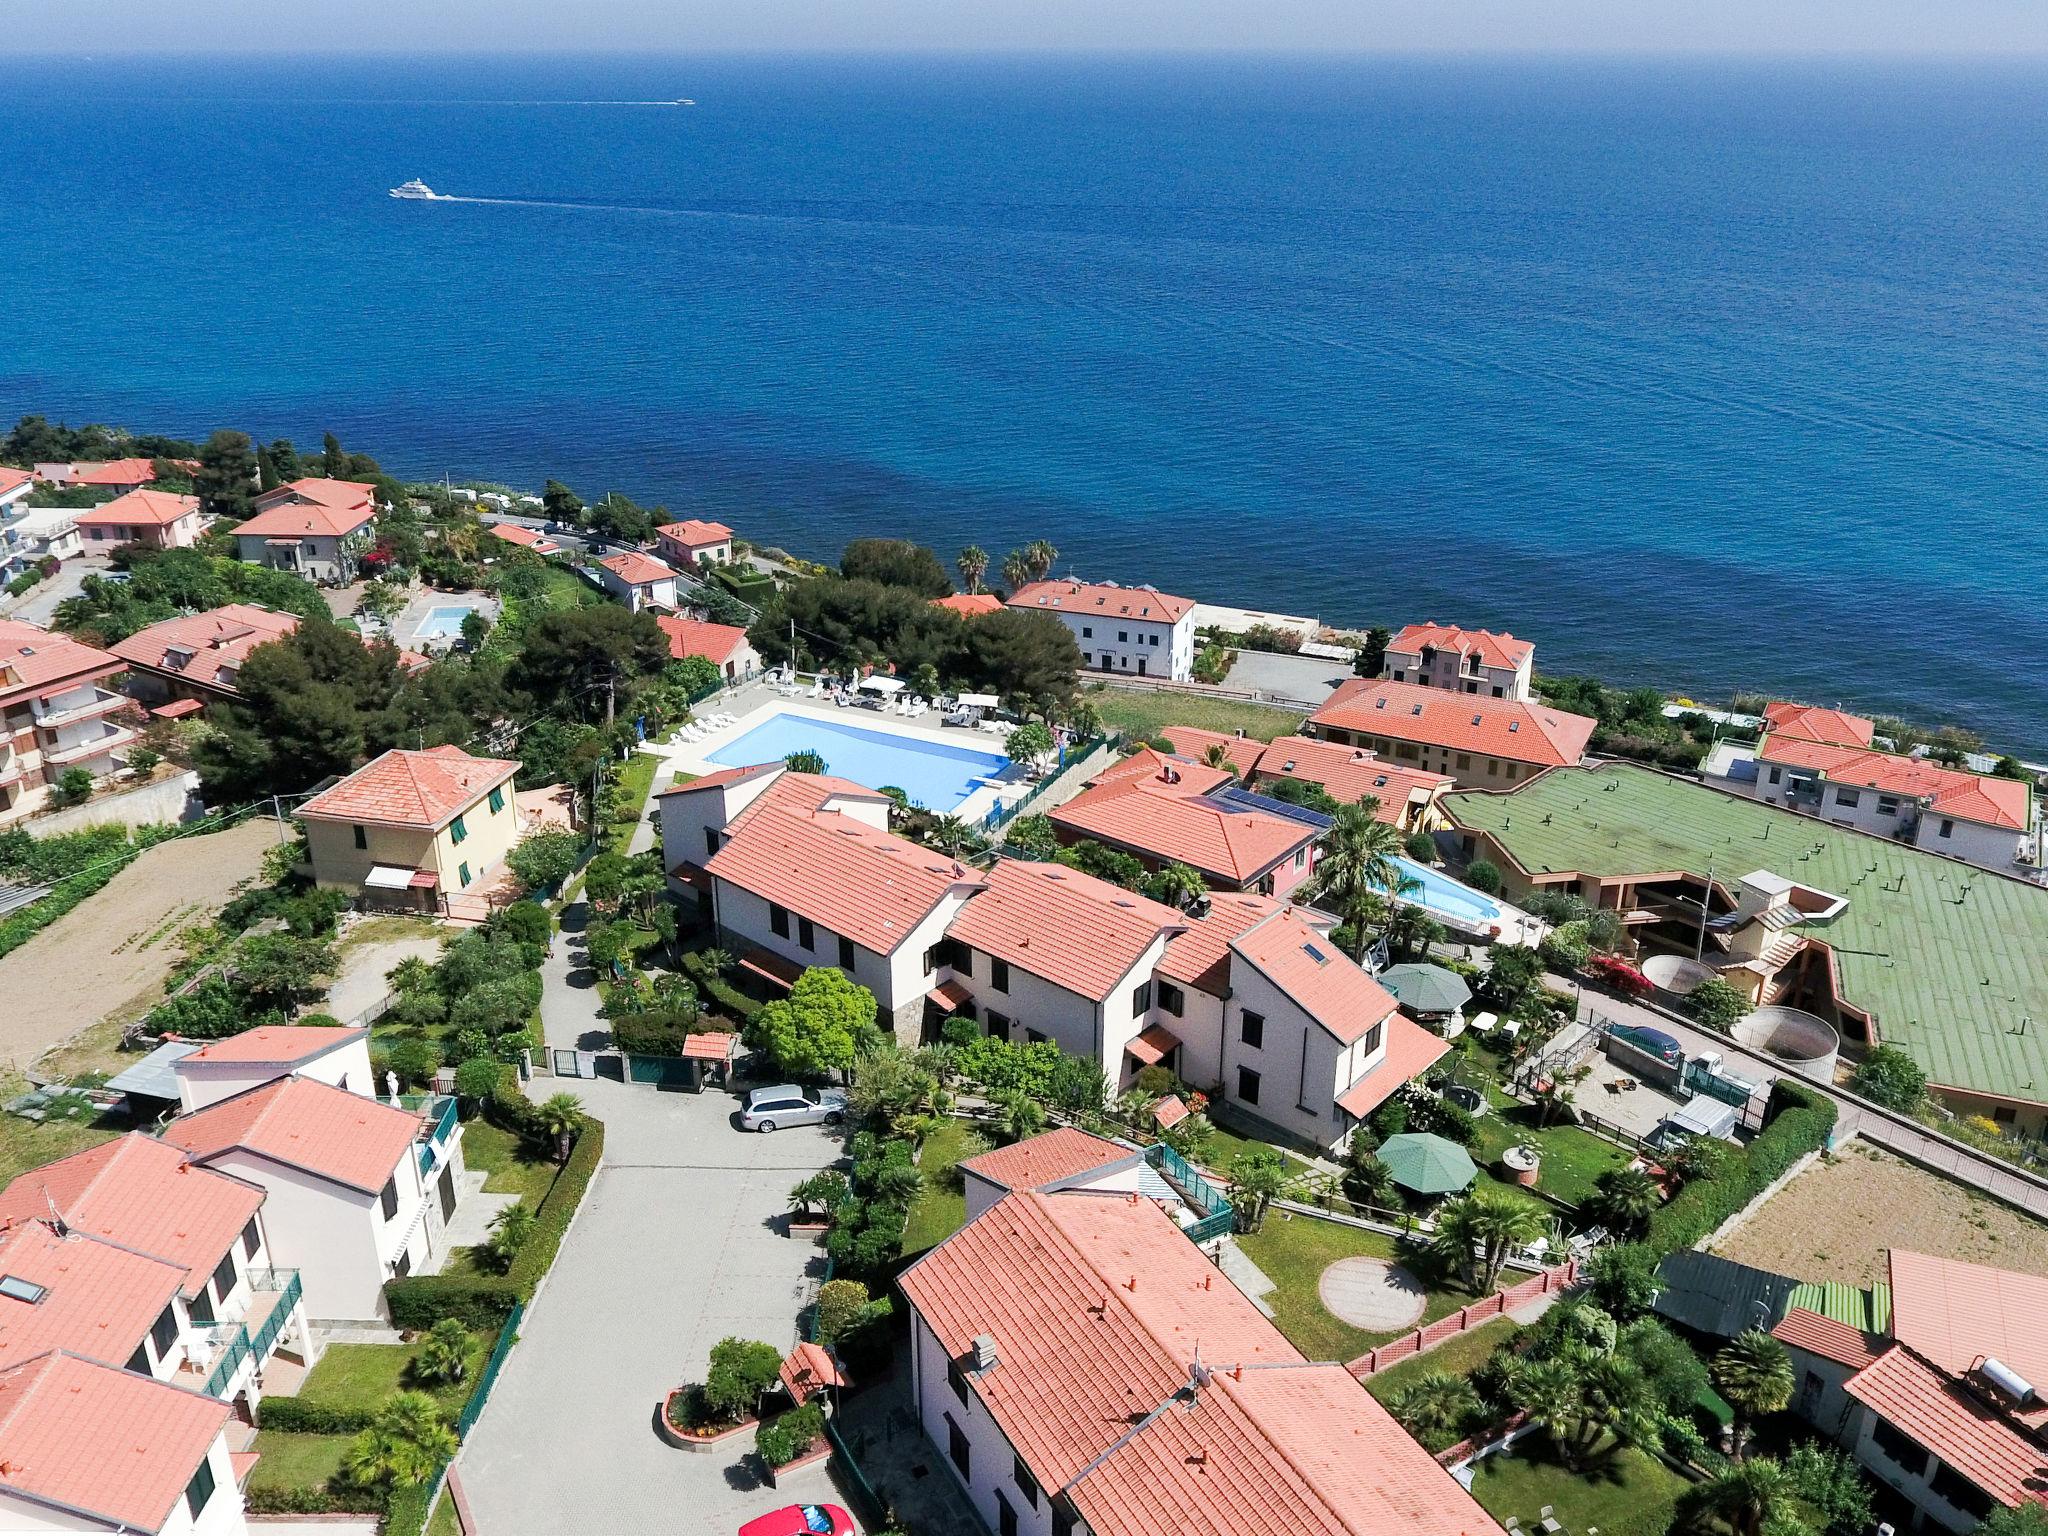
{"points": [[1734, 26]]}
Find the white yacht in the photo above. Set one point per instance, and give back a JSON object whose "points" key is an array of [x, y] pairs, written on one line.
{"points": [[415, 191]]}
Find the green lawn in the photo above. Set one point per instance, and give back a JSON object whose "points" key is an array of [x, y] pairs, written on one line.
{"points": [[296, 1461], [1295, 1250], [1572, 1159], [1224, 1145], [1143, 715], [1454, 1357], [941, 1206], [636, 778], [366, 1375], [25, 1144], [1623, 1493], [444, 1522], [511, 1164]]}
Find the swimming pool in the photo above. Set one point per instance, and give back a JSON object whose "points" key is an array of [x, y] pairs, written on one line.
{"points": [[1445, 897], [935, 775], [443, 623]]}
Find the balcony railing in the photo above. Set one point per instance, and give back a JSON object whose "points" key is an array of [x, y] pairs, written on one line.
{"points": [[109, 741], [437, 1122], [1215, 1210], [104, 704], [255, 1335]]}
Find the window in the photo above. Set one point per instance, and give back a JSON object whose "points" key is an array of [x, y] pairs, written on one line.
{"points": [[1511, 771], [1141, 998], [1370, 1040], [1251, 1029], [1948, 826], [1464, 759], [387, 1197], [1400, 676], [957, 1380], [1777, 775], [956, 1448], [201, 1306], [497, 799], [1087, 632], [163, 1333], [778, 920], [2004, 1114], [999, 973], [1247, 1085], [1062, 1518], [1034, 1037], [1171, 999], [200, 1489], [998, 1026], [1846, 796], [362, 838], [1493, 765], [806, 935], [1497, 692], [1154, 640], [1006, 1517], [1958, 1490], [1887, 805], [1026, 1483], [251, 1238], [1123, 637], [462, 874], [1300, 857], [846, 954], [710, 840], [457, 831], [1900, 1447], [224, 1277], [139, 1361]]}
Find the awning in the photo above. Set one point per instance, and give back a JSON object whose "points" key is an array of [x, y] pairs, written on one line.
{"points": [[693, 875], [881, 684], [977, 701], [1154, 1045], [951, 996], [388, 877], [783, 973], [423, 880], [177, 709], [709, 1047], [155, 1076]]}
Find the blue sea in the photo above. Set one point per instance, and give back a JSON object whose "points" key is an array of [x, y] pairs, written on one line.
{"points": [[1714, 375]]}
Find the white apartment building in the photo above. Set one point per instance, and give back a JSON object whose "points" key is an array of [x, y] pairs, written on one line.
{"points": [[1133, 631]]}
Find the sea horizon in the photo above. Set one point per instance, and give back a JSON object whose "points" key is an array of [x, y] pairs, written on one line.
{"points": [[1721, 375]]}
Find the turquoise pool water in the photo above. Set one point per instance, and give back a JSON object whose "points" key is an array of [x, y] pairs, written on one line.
{"points": [[443, 623], [1441, 894], [934, 775]]}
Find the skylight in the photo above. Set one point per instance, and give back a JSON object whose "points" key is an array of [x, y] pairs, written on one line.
{"points": [[1315, 954], [22, 1290]]}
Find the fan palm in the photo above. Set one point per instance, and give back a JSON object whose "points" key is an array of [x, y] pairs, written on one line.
{"points": [[1748, 1494], [443, 1355], [1257, 1178], [1177, 885], [560, 1115], [1022, 1116], [1039, 555], [1755, 1374], [1016, 570], [407, 1444], [412, 974], [1626, 1199], [1355, 871], [1435, 1407], [1368, 1181], [973, 564]]}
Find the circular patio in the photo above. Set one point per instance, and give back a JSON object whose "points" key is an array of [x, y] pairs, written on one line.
{"points": [[1373, 1294]]}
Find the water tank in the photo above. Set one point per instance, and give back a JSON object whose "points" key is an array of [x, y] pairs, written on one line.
{"points": [[2009, 1382]]}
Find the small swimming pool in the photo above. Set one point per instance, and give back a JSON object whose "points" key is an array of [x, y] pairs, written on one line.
{"points": [[1440, 894], [443, 623], [934, 774]]}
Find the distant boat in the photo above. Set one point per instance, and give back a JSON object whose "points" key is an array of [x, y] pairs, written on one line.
{"points": [[683, 101], [415, 191]]}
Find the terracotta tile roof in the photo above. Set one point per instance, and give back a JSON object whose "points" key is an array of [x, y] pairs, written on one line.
{"points": [[219, 638], [808, 1369], [1965, 1432], [1495, 650], [34, 660], [278, 1045], [870, 886], [1192, 741], [1825, 1337], [1169, 771], [1951, 1313], [805, 792], [1170, 1111], [99, 1299], [12, 479], [638, 570], [1065, 1152], [1201, 956], [1152, 1045], [695, 533], [712, 1045], [525, 538], [692, 637], [1810, 722], [1071, 929], [1411, 1051], [143, 1194], [116, 472], [1946, 791], [1097, 1306], [1348, 773], [1173, 821], [140, 509], [969, 604], [720, 779], [1083, 600], [1462, 722], [423, 790], [1324, 982], [304, 1123], [322, 508], [117, 1445]]}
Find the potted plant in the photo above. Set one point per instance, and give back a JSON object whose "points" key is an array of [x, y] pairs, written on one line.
{"points": [[727, 1401], [813, 1201]]}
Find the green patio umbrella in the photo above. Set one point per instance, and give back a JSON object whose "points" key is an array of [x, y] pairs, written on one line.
{"points": [[1425, 988], [1427, 1164]]}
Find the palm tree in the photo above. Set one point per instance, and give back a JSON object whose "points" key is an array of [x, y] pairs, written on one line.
{"points": [[1039, 556], [1755, 1374], [1434, 1407], [1016, 570], [412, 974], [953, 836], [1368, 1181], [1217, 755], [1626, 1199], [1493, 1222], [1747, 1495], [1022, 1116], [1177, 885], [973, 564], [407, 1444], [716, 962], [925, 679], [560, 1115], [1257, 1178], [1355, 871], [443, 1356], [510, 1230]]}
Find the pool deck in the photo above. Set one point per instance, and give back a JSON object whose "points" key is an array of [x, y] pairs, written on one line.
{"points": [[407, 625], [757, 703]]}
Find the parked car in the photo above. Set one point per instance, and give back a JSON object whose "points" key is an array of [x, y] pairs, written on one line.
{"points": [[769, 1109], [802, 1520]]}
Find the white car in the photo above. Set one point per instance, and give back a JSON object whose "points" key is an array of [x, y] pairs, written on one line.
{"points": [[767, 1109]]}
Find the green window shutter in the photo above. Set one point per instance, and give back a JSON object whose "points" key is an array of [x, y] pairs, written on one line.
{"points": [[497, 800], [463, 874], [457, 830]]}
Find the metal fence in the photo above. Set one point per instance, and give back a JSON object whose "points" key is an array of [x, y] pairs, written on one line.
{"points": [[1218, 1216], [1078, 752], [507, 1335]]}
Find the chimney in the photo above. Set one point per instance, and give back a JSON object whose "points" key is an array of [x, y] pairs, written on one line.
{"points": [[982, 1347]]}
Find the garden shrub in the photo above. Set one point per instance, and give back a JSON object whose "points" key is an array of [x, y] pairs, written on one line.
{"points": [[1796, 1122], [335, 1499], [782, 1440], [840, 1304], [740, 1371], [292, 1415]]}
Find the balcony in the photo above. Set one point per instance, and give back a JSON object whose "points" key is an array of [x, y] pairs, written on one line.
{"points": [[103, 704], [1206, 1202], [437, 1123], [93, 746], [273, 1294]]}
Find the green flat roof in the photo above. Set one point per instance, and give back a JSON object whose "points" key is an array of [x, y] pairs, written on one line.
{"points": [[1869, 1310], [1949, 959]]}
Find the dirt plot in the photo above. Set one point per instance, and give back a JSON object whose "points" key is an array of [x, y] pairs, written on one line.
{"points": [[1835, 1221], [109, 955]]}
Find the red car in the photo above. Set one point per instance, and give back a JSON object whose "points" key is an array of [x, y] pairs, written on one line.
{"points": [[802, 1520]]}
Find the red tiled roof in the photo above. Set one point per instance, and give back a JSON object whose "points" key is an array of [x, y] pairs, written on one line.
{"points": [[14, 479], [1966, 1433], [525, 538], [143, 1194], [1348, 773], [695, 533], [723, 777], [423, 790], [1495, 650], [1947, 791], [712, 1045], [1411, 1051], [804, 793], [325, 508], [1103, 601], [807, 1369], [1825, 1337], [117, 472], [870, 886], [115, 1444], [99, 1299], [1171, 822], [1071, 929], [140, 509], [693, 637], [1182, 775], [1064, 1152], [304, 1123], [34, 660], [1097, 1306], [969, 604], [1193, 742], [1169, 1111], [1952, 1312], [951, 994], [636, 569], [1810, 722], [1461, 722], [1201, 956], [278, 1045], [1152, 1045], [1324, 982], [177, 709], [219, 638]]}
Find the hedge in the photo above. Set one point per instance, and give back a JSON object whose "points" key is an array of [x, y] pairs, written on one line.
{"points": [[333, 1500], [294, 1416], [485, 1301], [1796, 1121]]}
